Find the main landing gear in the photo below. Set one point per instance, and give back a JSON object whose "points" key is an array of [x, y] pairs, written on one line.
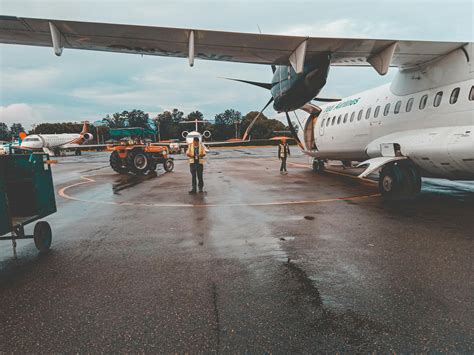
{"points": [[318, 165], [399, 180]]}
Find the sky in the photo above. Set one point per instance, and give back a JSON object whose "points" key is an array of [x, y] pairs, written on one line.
{"points": [[36, 86]]}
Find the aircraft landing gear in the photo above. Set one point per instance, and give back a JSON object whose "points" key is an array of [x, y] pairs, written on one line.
{"points": [[318, 165], [399, 180]]}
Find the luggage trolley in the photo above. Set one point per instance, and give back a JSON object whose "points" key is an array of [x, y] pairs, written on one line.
{"points": [[26, 196]]}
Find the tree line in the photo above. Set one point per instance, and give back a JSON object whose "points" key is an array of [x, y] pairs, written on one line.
{"points": [[167, 125], [8, 134]]}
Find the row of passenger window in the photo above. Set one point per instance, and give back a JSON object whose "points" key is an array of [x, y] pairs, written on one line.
{"points": [[409, 106]]}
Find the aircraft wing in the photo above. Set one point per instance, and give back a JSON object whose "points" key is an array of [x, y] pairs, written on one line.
{"points": [[218, 45]]}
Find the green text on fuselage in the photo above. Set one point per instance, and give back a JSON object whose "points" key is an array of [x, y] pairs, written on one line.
{"points": [[342, 104]]}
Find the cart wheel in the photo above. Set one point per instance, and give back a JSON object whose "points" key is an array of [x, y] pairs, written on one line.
{"points": [[168, 165], [42, 236]]}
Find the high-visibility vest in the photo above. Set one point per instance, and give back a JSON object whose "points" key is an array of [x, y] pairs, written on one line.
{"points": [[202, 153]]}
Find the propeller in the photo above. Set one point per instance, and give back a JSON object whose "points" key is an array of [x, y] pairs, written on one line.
{"points": [[326, 99], [267, 86], [293, 131], [247, 131]]}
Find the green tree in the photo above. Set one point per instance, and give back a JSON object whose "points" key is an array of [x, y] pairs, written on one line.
{"points": [[4, 132], [15, 130], [227, 125], [263, 128], [195, 115], [118, 120], [137, 118]]}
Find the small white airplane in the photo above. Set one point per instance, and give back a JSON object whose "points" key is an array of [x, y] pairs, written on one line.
{"points": [[55, 143], [422, 124]]}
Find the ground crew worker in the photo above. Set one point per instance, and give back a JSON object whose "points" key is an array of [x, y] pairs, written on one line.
{"points": [[283, 153], [196, 153]]}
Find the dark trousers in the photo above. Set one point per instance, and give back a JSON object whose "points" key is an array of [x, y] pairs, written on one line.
{"points": [[196, 172], [283, 164]]}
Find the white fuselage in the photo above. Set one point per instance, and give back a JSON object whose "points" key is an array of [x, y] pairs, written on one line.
{"points": [[428, 113], [51, 141]]}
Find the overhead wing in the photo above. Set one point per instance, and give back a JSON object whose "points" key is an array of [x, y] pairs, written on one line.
{"points": [[218, 45]]}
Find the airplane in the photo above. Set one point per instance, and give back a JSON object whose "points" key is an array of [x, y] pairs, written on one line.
{"points": [[53, 144], [420, 125]]}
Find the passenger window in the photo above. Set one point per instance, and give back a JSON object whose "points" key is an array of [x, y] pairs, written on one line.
{"points": [[454, 96], [367, 114], [471, 94], [345, 117], [328, 121], [353, 115], [437, 99], [410, 104], [322, 123], [397, 107], [423, 101], [339, 119], [386, 110], [333, 120], [359, 116], [377, 110]]}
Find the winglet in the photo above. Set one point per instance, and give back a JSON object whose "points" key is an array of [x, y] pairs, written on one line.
{"points": [[381, 61]]}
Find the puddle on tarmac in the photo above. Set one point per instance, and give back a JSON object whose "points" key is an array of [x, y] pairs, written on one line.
{"points": [[127, 181]]}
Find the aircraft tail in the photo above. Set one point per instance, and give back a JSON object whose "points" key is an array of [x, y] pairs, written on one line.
{"points": [[85, 127]]}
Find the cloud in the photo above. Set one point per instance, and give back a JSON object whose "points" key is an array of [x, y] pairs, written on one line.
{"points": [[342, 28], [20, 113], [20, 79]]}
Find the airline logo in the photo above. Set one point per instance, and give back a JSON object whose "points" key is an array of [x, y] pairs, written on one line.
{"points": [[342, 104]]}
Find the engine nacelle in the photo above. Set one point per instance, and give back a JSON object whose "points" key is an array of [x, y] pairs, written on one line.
{"points": [[184, 134], [207, 134], [88, 136]]}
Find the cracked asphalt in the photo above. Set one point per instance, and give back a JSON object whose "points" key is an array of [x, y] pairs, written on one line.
{"points": [[260, 263]]}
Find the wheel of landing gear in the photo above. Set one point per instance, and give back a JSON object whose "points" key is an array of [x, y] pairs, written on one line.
{"points": [[413, 179], [117, 164], [318, 165], [390, 181], [138, 162], [78, 152], [168, 165], [42, 236]]}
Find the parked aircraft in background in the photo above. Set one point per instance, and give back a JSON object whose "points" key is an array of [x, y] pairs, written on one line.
{"points": [[422, 124], [55, 143]]}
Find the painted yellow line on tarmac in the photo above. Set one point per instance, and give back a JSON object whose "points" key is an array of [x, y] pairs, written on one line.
{"points": [[89, 180]]}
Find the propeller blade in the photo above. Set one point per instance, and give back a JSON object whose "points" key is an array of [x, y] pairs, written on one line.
{"points": [[326, 99], [293, 131], [267, 86], [247, 131]]}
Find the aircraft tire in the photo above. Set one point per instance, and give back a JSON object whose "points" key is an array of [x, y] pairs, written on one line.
{"points": [[42, 236], [318, 166], [391, 182], [411, 179], [116, 163]]}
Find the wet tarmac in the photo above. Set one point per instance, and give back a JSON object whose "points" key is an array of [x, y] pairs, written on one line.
{"points": [[259, 263]]}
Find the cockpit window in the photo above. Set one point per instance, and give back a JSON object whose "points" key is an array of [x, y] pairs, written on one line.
{"points": [[471, 94]]}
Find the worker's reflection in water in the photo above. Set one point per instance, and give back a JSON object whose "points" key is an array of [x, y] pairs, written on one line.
{"points": [[196, 154]]}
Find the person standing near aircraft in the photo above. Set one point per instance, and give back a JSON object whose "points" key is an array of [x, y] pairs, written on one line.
{"points": [[196, 153], [283, 153]]}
